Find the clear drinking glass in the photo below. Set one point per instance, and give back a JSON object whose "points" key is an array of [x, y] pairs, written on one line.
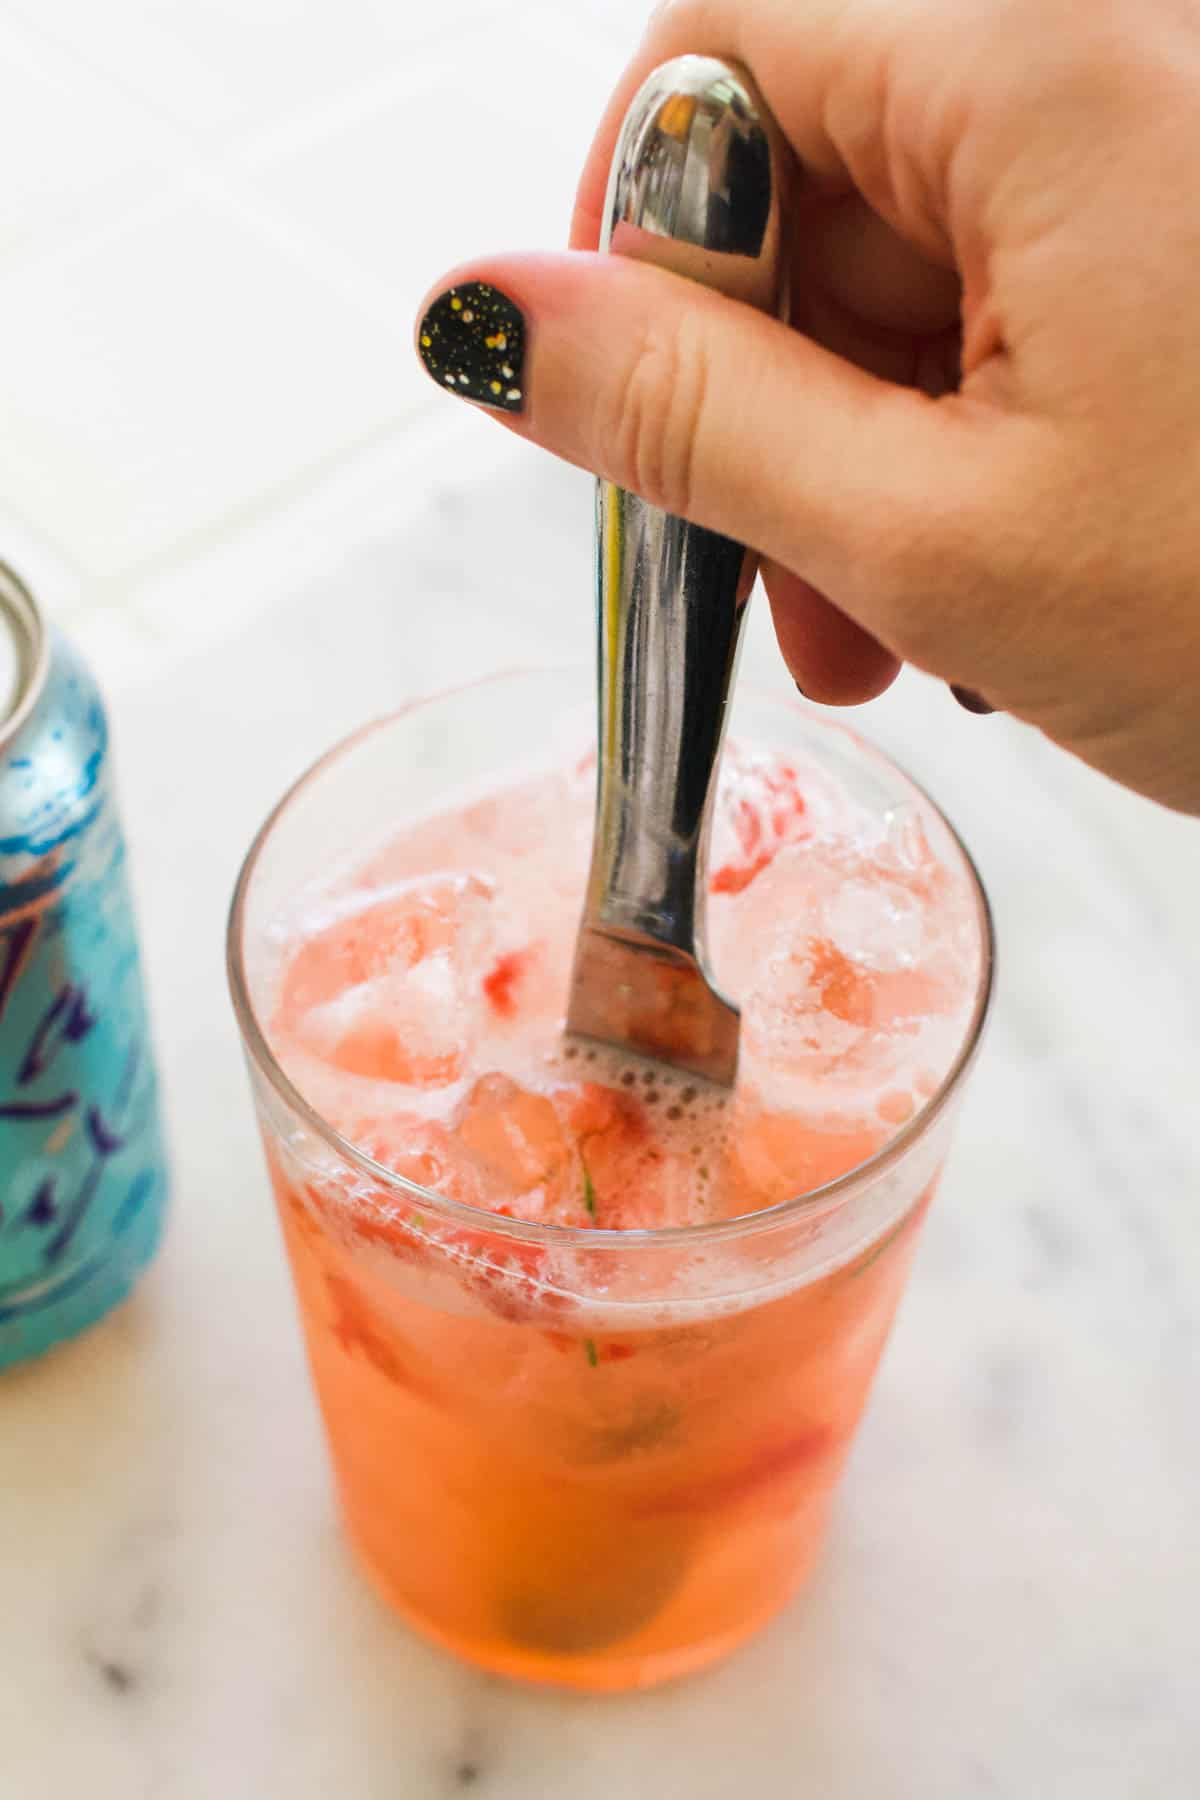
{"points": [[592, 1457]]}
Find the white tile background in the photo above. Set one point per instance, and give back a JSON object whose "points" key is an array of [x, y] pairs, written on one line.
{"points": [[216, 219]]}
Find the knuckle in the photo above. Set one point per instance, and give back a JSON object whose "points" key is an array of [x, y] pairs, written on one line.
{"points": [[661, 406]]}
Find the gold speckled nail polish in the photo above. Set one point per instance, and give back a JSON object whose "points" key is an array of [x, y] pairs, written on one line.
{"points": [[472, 341]]}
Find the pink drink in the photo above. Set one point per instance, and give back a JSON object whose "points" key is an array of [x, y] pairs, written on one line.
{"points": [[566, 1452]]}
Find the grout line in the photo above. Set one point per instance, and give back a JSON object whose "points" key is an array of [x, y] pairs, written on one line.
{"points": [[263, 145], [203, 173], [288, 550], [332, 271], [583, 40], [258, 510], [56, 256], [476, 11], [35, 23]]}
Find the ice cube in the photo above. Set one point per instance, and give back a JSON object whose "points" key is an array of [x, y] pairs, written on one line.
{"points": [[421, 1150], [412, 1026], [389, 986], [876, 924], [905, 851], [760, 808], [809, 1010], [774, 1156], [847, 955], [373, 932], [818, 1022], [518, 1139]]}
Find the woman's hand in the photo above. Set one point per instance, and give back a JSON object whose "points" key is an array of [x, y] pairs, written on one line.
{"points": [[977, 445]]}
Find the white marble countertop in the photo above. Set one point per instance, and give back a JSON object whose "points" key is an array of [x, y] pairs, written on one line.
{"points": [[1008, 1604], [280, 530]]}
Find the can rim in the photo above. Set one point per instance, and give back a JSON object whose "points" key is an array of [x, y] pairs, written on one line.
{"points": [[18, 605]]}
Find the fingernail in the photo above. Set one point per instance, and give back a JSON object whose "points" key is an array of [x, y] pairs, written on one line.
{"points": [[969, 700], [472, 341]]}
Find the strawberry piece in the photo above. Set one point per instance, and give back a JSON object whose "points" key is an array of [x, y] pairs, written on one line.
{"points": [[616, 1150], [768, 813], [502, 979], [562, 1341], [593, 1110], [505, 1276], [868, 997], [776, 1463], [358, 1331], [735, 878], [517, 1136], [774, 1157]]}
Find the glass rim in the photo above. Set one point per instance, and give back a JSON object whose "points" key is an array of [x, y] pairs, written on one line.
{"points": [[813, 1203]]}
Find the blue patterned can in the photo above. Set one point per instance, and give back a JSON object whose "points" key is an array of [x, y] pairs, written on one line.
{"points": [[82, 1165]]}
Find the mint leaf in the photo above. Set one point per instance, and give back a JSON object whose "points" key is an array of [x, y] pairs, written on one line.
{"points": [[589, 1191]]}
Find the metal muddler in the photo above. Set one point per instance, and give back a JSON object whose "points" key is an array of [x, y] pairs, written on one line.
{"points": [[695, 187]]}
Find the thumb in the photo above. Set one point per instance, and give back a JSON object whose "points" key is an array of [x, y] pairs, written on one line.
{"points": [[718, 413]]}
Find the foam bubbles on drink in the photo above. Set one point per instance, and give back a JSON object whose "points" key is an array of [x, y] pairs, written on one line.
{"points": [[420, 1002]]}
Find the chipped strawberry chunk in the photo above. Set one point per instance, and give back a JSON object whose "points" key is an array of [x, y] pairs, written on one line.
{"points": [[735, 878], [765, 812], [777, 1463], [502, 980], [516, 1135]]}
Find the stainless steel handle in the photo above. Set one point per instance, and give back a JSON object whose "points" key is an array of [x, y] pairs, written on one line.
{"points": [[695, 187]]}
